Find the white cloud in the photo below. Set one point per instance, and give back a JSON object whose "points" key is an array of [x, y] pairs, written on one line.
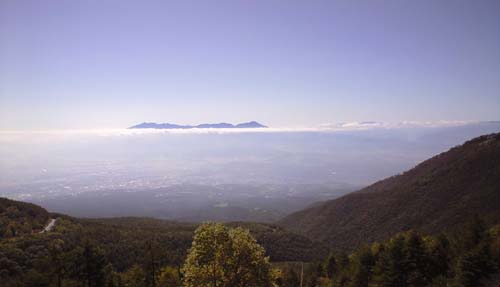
{"points": [[12, 136], [386, 125]]}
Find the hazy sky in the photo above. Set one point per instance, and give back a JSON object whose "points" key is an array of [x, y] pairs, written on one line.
{"points": [[99, 64]]}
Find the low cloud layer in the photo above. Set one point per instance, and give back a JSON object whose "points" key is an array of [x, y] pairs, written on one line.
{"points": [[327, 127]]}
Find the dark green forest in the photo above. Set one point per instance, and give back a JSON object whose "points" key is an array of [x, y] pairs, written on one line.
{"points": [[467, 257], [19, 218], [149, 252], [117, 249]]}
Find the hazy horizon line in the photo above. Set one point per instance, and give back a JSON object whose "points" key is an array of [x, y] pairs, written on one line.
{"points": [[324, 127]]}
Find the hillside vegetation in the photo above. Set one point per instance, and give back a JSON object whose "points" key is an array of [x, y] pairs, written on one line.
{"points": [[467, 258], [437, 195], [280, 244], [19, 218], [118, 247]]}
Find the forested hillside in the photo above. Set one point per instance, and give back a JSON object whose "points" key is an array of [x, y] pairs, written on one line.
{"points": [[19, 218], [119, 247], [469, 257], [437, 195], [143, 252]]}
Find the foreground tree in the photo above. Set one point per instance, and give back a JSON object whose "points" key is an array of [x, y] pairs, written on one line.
{"points": [[222, 257]]}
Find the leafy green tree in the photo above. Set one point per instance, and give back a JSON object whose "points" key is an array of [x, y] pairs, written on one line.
{"points": [[222, 257]]}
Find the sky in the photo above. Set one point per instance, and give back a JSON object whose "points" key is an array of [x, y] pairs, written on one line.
{"points": [[112, 64]]}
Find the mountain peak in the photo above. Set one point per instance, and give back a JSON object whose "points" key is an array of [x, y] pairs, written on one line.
{"points": [[252, 124]]}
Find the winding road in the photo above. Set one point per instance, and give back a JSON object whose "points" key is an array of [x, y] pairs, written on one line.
{"points": [[49, 226]]}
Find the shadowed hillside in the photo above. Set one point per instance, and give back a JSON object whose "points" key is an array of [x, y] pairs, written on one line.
{"points": [[437, 195], [280, 244]]}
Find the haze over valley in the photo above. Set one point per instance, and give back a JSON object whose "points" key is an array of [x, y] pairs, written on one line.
{"points": [[213, 174]]}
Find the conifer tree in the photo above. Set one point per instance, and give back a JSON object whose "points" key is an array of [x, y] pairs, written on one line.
{"points": [[416, 262], [391, 266], [362, 267], [331, 266]]}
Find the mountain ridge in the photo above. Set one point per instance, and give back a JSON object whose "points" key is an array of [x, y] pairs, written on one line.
{"points": [[435, 196], [152, 125]]}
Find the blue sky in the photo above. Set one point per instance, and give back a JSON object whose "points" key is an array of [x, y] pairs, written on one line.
{"points": [[107, 64]]}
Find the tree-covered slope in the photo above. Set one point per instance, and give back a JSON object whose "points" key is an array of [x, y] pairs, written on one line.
{"points": [[280, 244], [19, 218], [437, 195], [121, 242], [119, 247]]}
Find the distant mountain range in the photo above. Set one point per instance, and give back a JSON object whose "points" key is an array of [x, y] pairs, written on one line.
{"points": [[438, 195], [247, 125]]}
